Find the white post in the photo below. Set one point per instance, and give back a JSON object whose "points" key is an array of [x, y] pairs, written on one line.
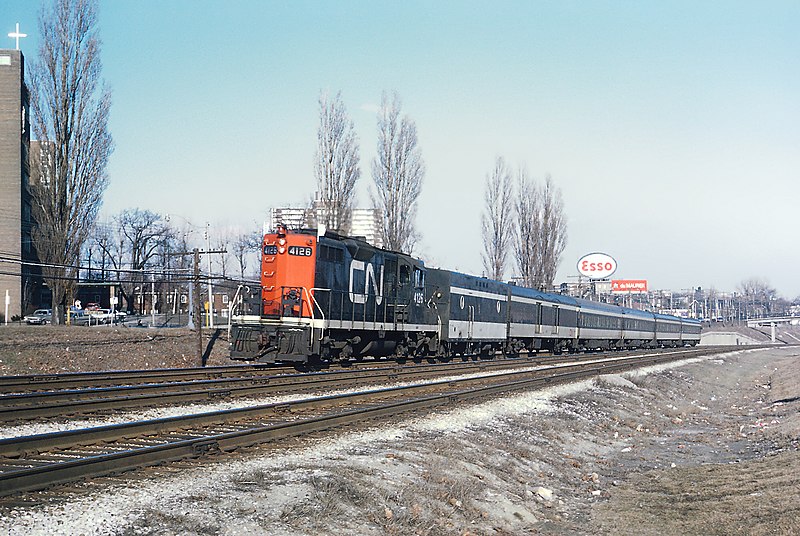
{"points": [[774, 324], [210, 291], [192, 319], [8, 302], [153, 301]]}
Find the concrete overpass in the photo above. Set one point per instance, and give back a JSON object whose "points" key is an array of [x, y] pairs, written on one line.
{"points": [[773, 321]]}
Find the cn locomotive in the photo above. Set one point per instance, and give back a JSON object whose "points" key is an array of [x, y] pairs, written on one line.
{"points": [[328, 297]]}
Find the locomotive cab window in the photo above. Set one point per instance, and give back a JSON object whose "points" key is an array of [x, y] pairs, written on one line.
{"points": [[419, 278], [331, 254], [405, 274]]}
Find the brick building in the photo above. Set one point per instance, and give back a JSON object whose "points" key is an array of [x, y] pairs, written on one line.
{"points": [[19, 279]]}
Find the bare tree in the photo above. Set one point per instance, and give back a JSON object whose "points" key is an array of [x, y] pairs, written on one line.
{"points": [[553, 232], [758, 296], [541, 233], [142, 237], [243, 245], [497, 220], [336, 168], [398, 171], [221, 242], [70, 119], [104, 243], [527, 229]]}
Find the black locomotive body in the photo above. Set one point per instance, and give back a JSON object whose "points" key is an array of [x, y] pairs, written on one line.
{"points": [[332, 297]]}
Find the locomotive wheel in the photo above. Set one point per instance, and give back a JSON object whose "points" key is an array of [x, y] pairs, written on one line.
{"points": [[401, 350]]}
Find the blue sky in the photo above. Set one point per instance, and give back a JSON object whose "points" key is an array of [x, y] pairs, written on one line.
{"points": [[672, 128]]}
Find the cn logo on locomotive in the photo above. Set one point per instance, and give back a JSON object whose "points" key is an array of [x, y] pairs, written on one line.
{"points": [[369, 277]]}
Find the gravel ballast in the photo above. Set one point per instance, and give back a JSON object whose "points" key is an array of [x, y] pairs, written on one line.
{"points": [[707, 446]]}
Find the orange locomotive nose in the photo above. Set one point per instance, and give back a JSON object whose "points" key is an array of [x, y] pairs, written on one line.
{"points": [[288, 264]]}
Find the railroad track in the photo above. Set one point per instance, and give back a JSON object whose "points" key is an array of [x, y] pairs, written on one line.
{"points": [[37, 405], [38, 462], [84, 380], [141, 389]]}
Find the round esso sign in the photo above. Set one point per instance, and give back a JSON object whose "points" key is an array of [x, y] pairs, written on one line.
{"points": [[597, 265]]}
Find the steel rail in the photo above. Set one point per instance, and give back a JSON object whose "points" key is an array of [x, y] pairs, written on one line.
{"points": [[17, 407], [32, 478], [71, 380], [22, 446], [81, 380]]}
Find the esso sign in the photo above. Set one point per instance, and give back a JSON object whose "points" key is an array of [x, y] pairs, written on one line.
{"points": [[597, 265]]}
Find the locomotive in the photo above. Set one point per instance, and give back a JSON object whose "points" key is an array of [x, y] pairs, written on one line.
{"points": [[327, 297]]}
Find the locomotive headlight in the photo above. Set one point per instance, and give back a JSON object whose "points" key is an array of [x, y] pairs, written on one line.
{"points": [[281, 249], [282, 241]]}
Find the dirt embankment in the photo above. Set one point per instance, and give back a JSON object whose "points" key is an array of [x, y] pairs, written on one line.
{"points": [[728, 462], [51, 349]]}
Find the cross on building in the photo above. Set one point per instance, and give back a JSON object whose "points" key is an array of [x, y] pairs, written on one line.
{"points": [[16, 35]]}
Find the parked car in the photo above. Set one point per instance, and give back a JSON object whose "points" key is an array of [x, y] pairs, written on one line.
{"points": [[102, 316], [78, 317], [40, 316]]}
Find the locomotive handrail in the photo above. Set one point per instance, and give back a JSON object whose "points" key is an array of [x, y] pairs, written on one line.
{"points": [[310, 294], [311, 299], [233, 308]]}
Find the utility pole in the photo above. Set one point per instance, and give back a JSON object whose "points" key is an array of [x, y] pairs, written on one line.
{"points": [[195, 303], [198, 306], [210, 291]]}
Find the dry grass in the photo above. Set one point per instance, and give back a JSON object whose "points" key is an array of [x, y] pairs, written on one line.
{"points": [[159, 521], [53, 349]]}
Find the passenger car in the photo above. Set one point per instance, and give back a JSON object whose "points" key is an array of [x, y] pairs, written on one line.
{"points": [[40, 316]]}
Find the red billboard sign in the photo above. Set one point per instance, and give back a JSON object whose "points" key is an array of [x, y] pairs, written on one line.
{"points": [[629, 285]]}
